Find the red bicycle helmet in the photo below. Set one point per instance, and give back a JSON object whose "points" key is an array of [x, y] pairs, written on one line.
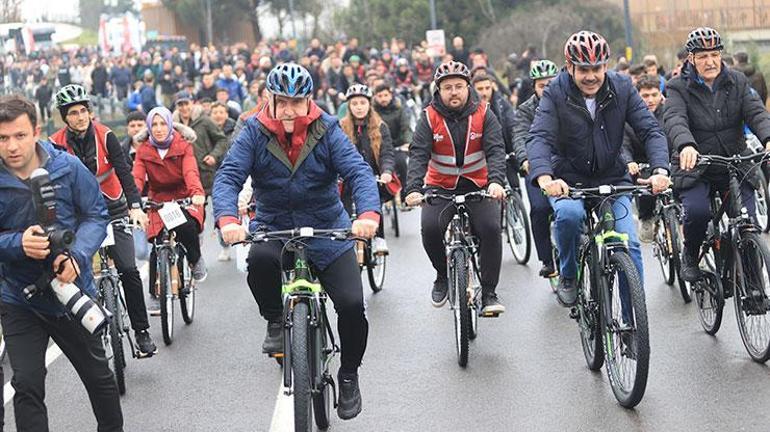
{"points": [[586, 48]]}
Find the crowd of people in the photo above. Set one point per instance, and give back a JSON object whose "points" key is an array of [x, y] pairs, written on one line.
{"points": [[201, 123]]}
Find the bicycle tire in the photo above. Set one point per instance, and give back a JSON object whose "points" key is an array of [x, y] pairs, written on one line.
{"points": [[664, 239], [628, 394], [107, 288], [709, 295], [752, 304], [322, 395], [186, 291], [394, 218], [517, 229], [762, 196], [166, 297], [677, 246], [375, 269], [462, 319], [300, 367], [588, 317]]}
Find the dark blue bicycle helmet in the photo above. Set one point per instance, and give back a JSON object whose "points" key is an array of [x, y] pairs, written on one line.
{"points": [[290, 80]]}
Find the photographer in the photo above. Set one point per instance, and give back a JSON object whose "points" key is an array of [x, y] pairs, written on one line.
{"points": [[28, 260]]}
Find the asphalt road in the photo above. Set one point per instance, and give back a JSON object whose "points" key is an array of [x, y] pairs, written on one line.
{"points": [[526, 369]]}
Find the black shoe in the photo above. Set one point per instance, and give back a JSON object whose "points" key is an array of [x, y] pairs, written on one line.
{"points": [[350, 396], [491, 305], [438, 295], [548, 271], [146, 347], [273, 343], [628, 345], [690, 272], [567, 291]]}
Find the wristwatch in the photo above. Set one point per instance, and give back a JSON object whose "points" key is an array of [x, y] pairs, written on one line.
{"points": [[660, 171]]}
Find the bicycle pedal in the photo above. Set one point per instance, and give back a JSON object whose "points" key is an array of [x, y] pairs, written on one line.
{"points": [[275, 355], [490, 314]]}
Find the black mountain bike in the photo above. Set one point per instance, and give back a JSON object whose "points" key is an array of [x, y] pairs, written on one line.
{"points": [[174, 279], [612, 321], [308, 340], [737, 264], [462, 270], [110, 291]]}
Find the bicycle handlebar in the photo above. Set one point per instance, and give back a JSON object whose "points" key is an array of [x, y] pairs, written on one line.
{"points": [[153, 205], [607, 190], [341, 234], [457, 199], [731, 160]]}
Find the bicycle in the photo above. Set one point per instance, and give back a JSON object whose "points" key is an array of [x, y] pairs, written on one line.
{"points": [[613, 324], [514, 220], [737, 262], [761, 195], [111, 295], [308, 342], [463, 270], [173, 276], [374, 263]]}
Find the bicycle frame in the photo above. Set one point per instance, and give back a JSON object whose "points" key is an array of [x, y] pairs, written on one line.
{"points": [[460, 237]]}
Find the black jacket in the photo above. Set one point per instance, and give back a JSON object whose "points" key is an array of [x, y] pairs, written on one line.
{"points": [[711, 120], [457, 123], [505, 113], [633, 147], [364, 146], [397, 118], [756, 78], [522, 121]]}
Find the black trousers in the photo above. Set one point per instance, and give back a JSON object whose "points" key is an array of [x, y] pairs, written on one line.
{"points": [[341, 280], [125, 262], [187, 234], [485, 224], [27, 338]]}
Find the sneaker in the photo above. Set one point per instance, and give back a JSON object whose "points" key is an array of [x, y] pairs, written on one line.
{"points": [[548, 271], [350, 396], [439, 293], [491, 305], [628, 345], [380, 246], [567, 291], [690, 272], [273, 338], [647, 231], [146, 347], [224, 254], [153, 306], [199, 272]]}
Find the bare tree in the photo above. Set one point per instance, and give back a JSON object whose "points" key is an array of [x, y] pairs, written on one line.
{"points": [[10, 11]]}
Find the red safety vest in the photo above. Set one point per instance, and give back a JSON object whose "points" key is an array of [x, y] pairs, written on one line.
{"points": [[442, 168], [105, 173]]}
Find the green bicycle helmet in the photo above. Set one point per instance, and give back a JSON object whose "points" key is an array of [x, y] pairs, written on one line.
{"points": [[69, 95], [543, 69]]}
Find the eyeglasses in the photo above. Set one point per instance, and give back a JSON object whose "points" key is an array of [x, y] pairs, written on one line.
{"points": [[453, 88]]}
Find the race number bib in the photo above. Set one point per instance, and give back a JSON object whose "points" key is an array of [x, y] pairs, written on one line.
{"points": [[110, 239], [172, 215]]}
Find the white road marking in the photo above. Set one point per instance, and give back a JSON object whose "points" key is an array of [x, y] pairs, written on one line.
{"points": [[54, 352], [283, 414]]}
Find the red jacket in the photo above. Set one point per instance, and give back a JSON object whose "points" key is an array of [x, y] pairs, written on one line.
{"points": [[174, 177]]}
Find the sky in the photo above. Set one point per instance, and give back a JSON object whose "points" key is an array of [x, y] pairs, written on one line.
{"points": [[33, 9]]}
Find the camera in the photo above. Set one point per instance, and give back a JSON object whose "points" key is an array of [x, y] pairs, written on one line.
{"points": [[91, 315]]}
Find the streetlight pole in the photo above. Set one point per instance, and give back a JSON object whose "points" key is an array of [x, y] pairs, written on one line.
{"points": [[433, 14], [291, 17], [209, 24], [629, 39]]}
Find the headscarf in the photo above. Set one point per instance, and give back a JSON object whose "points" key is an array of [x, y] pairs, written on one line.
{"points": [[166, 115]]}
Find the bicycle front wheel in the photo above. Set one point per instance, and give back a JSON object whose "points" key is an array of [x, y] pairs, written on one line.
{"points": [[462, 312], [517, 228], [108, 289], [761, 196], [322, 396], [663, 248], [166, 296], [375, 269], [300, 367], [752, 296], [394, 218], [709, 295], [626, 336]]}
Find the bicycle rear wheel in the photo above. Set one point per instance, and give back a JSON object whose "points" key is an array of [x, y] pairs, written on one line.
{"points": [[627, 343], [300, 367], [663, 248], [186, 290], [108, 289], [462, 313], [394, 218], [752, 296], [517, 228], [588, 317], [762, 196], [166, 296]]}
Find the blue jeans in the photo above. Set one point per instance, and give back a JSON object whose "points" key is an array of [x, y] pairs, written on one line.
{"points": [[569, 216]]}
